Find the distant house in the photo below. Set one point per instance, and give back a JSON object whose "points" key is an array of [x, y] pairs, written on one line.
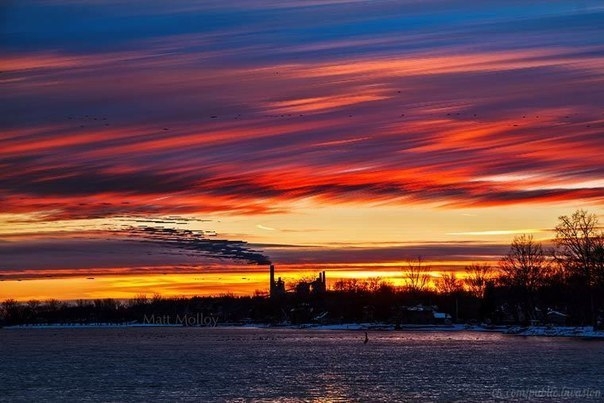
{"points": [[556, 318], [321, 318], [441, 318], [423, 314]]}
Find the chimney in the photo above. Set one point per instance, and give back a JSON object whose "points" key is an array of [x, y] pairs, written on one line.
{"points": [[271, 288]]}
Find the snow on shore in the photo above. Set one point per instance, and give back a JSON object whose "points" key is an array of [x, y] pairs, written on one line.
{"points": [[556, 331]]}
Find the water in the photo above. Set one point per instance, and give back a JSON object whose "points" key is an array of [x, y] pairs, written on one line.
{"points": [[234, 364]]}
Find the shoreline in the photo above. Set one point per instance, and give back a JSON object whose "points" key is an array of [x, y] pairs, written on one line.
{"points": [[582, 332]]}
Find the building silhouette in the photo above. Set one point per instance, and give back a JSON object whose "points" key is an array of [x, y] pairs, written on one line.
{"points": [[303, 288], [276, 288]]}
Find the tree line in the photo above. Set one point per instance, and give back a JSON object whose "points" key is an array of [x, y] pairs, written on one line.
{"points": [[527, 282], [524, 284]]}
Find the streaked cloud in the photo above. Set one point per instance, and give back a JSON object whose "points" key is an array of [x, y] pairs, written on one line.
{"points": [[497, 232], [264, 227], [294, 114], [124, 246]]}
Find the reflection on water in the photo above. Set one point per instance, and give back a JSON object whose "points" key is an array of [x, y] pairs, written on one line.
{"points": [[277, 364]]}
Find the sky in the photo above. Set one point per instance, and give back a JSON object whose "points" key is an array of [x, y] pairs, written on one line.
{"points": [[178, 147]]}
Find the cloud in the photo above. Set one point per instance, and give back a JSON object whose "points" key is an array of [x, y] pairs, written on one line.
{"points": [[121, 116], [126, 246], [497, 232], [198, 243], [265, 227], [346, 254], [147, 250], [199, 108]]}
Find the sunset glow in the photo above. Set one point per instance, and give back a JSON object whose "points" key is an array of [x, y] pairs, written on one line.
{"points": [[176, 148]]}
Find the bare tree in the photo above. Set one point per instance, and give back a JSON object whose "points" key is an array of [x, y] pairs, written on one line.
{"points": [[12, 311], [579, 242], [599, 261], [477, 277], [370, 285], [525, 265], [448, 283], [348, 285], [138, 300], [53, 304], [525, 268], [580, 251], [374, 284], [156, 299], [416, 275], [33, 304]]}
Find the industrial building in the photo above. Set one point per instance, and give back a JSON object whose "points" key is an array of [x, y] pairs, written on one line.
{"points": [[277, 287]]}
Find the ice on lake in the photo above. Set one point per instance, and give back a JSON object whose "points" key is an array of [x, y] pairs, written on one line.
{"points": [[235, 364]]}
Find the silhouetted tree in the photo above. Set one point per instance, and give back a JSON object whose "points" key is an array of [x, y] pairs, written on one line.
{"points": [[52, 304], [477, 277], [138, 300], [452, 288], [524, 270], [349, 285], [599, 261], [11, 311], [370, 285], [416, 275], [448, 283], [580, 251], [374, 284]]}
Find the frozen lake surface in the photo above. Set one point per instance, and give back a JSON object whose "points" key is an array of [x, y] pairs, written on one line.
{"points": [[237, 364]]}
